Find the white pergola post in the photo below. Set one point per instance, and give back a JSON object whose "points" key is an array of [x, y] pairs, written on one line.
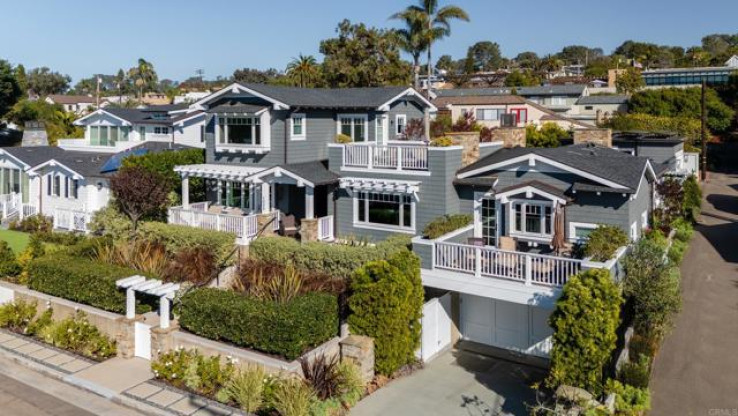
{"points": [[309, 202], [265, 198], [164, 318], [130, 303], [185, 191]]}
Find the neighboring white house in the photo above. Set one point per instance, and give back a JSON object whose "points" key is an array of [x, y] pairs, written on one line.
{"points": [[598, 107], [190, 97], [115, 129], [78, 104]]}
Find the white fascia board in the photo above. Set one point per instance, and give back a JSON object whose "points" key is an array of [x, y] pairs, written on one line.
{"points": [[408, 92], [531, 189], [278, 171], [23, 164], [100, 111], [533, 158], [236, 88], [54, 163]]}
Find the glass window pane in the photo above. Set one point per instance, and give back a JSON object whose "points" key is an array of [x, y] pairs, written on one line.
{"points": [[113, 135], [384, 212], [533, 219], [103, 135], [94, 135], [359, 133]]}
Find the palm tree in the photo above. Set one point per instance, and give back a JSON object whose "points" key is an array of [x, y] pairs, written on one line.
{"points": [[431, 24], [411, 38], [144, 75], [303, 69]]}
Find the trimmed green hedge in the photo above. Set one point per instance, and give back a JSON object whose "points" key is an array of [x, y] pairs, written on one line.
{"points": [[286, 329], [445, 224], [336, 260], [81, 280], [178, 237]]}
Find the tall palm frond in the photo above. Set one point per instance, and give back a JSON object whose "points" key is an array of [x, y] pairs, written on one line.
{"points": [[303, 69]]}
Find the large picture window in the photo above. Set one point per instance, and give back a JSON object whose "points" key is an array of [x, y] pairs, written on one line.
{"points": [[488, 114], [532, 218], [392, 210], [239, 130], [354, 127], [233, 194], [108, 135]]}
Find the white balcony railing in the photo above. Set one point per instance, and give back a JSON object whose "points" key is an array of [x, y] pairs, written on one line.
{"points": [[10, 204], [244, 226], [71, 220], [531, 269], [325, 228], [369, 156]]}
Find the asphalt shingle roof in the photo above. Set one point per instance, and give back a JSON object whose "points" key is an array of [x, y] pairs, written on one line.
{"points": [[603, 162], [574, 90], [316, 172], [329, 97], [236, 107], [138, 116], [34, 155]]}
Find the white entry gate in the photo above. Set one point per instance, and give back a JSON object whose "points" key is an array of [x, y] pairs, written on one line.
{"points": [[436, 327], [142, 340]]}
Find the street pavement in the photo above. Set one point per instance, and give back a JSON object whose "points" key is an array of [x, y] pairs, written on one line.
{"points": [[696, 371]]}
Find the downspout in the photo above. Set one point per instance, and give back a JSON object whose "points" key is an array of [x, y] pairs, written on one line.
{"points": [[286, 138], [40, 194]]}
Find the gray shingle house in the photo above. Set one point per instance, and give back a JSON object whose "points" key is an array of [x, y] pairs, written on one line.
{"points": [[271, 153]]}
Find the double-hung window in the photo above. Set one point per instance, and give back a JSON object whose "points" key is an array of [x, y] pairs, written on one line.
{"points": [[401, 124], [239, 130], [385, 210], [56, 189], [535, 218], [381, 124], [161, 130], [298, 127], [354, 126]]}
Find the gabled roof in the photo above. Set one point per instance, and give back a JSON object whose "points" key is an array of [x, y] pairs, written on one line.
{"points": [[544, 187], [567, 89], [443, 101], [603, 99], [34, 155], [335, 98], [136, 116], [313, 173], [86, 164], [605, 166], [233, 106]]}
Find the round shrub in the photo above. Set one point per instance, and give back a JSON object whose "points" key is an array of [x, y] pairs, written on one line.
{"points": [[387, 304], [9, 266]]}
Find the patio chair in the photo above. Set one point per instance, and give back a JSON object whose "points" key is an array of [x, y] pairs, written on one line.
{"points": [[511, 262], [288, 228]]}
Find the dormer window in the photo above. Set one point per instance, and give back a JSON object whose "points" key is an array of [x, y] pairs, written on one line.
{"points": [[239, 130], [160, 116]]}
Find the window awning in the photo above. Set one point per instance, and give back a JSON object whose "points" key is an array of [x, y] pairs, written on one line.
{"points": [[380, 185]]}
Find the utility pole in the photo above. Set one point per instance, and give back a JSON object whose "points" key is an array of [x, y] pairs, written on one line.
{"points": [[704, 132]]}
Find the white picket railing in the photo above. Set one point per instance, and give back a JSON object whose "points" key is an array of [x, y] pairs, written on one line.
{"points": [[325, 228], [200, 206], [10, 204], [28, 210], [371, 156], [71, 220], [531, 269], [244, 226]]}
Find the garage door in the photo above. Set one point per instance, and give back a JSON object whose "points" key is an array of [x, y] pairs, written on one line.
{"points": [[502, 324]]}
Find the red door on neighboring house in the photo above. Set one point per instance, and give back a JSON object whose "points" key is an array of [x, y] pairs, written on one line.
{"points": [[521, 115]]}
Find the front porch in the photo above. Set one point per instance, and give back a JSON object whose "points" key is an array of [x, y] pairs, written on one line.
{"points": [[252, 202]]}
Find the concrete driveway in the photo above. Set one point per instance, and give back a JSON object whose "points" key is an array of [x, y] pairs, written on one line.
{"points": [[696, 371], [457, 383]]}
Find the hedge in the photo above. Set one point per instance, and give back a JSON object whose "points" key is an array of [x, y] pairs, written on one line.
{"points": [[445, 224], [336, 260], [178, 237], [81, 280], [286, 329]]}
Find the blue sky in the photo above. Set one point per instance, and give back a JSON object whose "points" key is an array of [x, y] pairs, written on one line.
{"points": [[81, 37]]}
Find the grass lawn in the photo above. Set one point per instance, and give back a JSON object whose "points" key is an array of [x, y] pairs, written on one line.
{"points": [[16, 239]]}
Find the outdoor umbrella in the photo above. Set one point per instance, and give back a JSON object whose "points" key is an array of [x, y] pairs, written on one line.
{"points": [[559, 239]]}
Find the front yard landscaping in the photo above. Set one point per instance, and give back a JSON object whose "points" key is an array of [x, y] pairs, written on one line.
{"points": [[17, 240]]}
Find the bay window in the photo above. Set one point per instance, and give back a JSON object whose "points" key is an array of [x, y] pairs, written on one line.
{"points": [[239, 130], [354, 126], [532, 217], [393, 210]]}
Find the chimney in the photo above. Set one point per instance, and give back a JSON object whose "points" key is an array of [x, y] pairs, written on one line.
{"points": [[509, 136], [600, 137]]}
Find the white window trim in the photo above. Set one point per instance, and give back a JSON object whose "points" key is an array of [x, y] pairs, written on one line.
{"points": [[399, 117], [384, 227], [634, 231], [525, 234], [264, 131], [384, 128], [478, 197], [573, 230], [365, 117], [644, 220], [298, 137]]}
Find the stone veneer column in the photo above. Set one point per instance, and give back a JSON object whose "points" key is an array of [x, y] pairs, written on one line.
{"points": [[126, 337], [509, 136], [309, 229], [470, 142], [162, 340], [359, 349], [261, 221], [600, 137]]}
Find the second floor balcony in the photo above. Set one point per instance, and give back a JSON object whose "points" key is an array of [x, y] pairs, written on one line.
{"points": [[411, 157]]}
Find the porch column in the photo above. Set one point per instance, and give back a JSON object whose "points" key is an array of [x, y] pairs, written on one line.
{"points": [[309, 202], [130, 303], [185, 191], [164, 312], [265, 198]]}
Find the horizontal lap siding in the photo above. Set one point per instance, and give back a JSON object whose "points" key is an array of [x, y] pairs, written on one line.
{"points": [[607, 208], [321, 130], [642, 202]]}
